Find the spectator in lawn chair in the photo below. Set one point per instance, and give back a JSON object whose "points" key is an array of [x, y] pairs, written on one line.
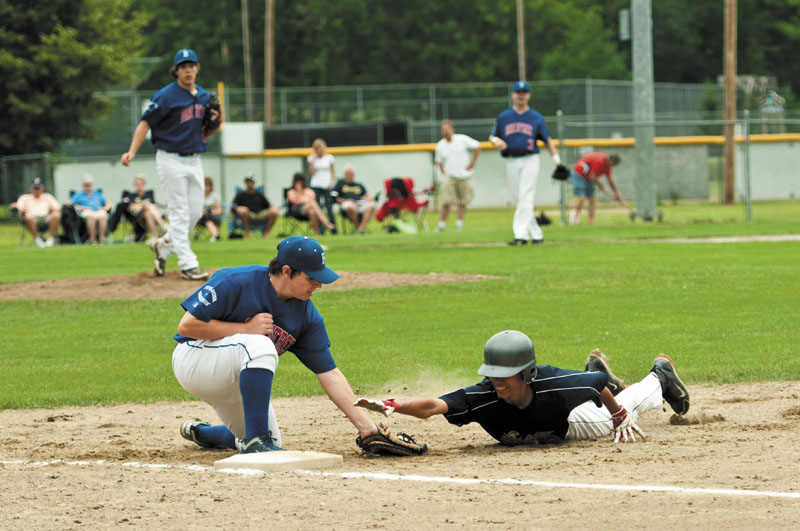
{"points": [[139, 207], [354, 200], [303, 203], [212, 211], [252, 205], [40, 212], [91, 205]]}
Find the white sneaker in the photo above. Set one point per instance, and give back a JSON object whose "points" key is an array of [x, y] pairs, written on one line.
{"points": [[212, 239], [49, 242], [440, 227], [573, 219], [459, 226], [40, 242]]}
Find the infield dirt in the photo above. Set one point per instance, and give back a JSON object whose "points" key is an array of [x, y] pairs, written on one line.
{"points": [[126, 465]]}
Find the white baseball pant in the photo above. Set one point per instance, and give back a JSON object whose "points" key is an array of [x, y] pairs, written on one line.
{"points": [[522, 174], [588, 421], [182, 179], [209, 369]]}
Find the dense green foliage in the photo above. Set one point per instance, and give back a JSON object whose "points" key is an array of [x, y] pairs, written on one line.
{"points": [[373, 42], [726, 312], [53, 57]]}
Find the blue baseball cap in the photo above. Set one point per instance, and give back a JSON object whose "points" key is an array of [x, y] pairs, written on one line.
{"points": [[307, 255], [185, 55], [521, 86]]}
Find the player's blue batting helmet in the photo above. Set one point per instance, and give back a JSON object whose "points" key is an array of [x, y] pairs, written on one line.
{"points": [[508, 353]]}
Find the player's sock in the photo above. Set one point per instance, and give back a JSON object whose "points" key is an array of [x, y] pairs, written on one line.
{"points": [[255, 386], [218, 435]]}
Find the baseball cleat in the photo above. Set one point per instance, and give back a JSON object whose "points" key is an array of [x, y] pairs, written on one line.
{"points": [[193, 274], [598, 362], [259, 445], [672, 388], [517, 242], [189, 432]]}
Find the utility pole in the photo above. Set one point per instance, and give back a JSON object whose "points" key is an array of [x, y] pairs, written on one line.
{"points": [[729, 167], [269, 62], [248, 65], [643, 107], [521, 41]]}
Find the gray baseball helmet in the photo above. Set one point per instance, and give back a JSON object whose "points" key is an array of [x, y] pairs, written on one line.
{"points": [[508, 353]]}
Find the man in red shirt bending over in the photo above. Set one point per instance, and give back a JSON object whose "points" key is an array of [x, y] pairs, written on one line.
{"points": [[585, 174]]}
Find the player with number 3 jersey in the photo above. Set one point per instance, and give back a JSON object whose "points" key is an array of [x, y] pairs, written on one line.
{"points": [[515, 133]]}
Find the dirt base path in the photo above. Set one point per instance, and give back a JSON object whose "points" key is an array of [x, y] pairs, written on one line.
{"points": [[731, 464], [143, 286]]}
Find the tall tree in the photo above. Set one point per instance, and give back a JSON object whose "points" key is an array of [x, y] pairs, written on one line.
{"points": [[53, 57]]}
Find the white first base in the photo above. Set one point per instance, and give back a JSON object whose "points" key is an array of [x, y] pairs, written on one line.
{"points": [[279, 461]]}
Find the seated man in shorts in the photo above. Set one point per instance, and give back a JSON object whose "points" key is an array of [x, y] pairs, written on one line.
{"points": [[354, 200], [40, 212], [250, 205]]}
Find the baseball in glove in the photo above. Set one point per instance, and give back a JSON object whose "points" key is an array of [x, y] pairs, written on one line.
{"points": [[386, 443], [212, 120], [561, 173]]}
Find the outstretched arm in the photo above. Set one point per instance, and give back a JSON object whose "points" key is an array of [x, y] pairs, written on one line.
{"points": [[338, 390], [422, 409], [136, 142]]}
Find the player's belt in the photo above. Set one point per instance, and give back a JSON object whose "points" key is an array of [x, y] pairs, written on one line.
{"points": [[519, 153], [187, 154]]}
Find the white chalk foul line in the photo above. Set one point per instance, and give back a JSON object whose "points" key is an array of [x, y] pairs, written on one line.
{"points": [[552, 484], [425, 479]]}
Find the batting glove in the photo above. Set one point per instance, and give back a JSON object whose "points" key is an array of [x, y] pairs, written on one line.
{"points": [[387, 407], [624, 426]]}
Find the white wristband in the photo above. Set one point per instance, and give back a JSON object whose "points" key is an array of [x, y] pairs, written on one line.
{"points": [[557, 159]]}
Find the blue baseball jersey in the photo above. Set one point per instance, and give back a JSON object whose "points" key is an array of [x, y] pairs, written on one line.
{"points": [[237, 294], [556, 392], [175, 117], [520, 132]]}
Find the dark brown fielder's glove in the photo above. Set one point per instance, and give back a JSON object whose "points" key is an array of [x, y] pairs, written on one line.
{"points": [[386, 443], [212, 121]]}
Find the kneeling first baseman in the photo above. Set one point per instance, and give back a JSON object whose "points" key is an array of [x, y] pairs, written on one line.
{"points": [[230, 337], [520, 402]]}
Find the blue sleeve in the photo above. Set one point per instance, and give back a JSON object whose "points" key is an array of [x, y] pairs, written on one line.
{"points": [[313, 348], [461, 403], [157, 108], [213, 300], [498, 127], [542, 134]]}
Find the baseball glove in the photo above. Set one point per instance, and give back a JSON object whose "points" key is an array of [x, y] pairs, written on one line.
{"points": [[386, 443], [561, 173], [212, 121]]}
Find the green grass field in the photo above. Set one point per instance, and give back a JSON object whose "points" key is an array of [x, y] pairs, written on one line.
{"points": [[724, 312]]}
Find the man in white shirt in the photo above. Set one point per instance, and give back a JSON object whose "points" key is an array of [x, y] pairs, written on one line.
{"points": [[456, 156]]}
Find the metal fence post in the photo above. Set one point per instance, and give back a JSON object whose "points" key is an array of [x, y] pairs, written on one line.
{"points": [[746, 158], [562, 184]]}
